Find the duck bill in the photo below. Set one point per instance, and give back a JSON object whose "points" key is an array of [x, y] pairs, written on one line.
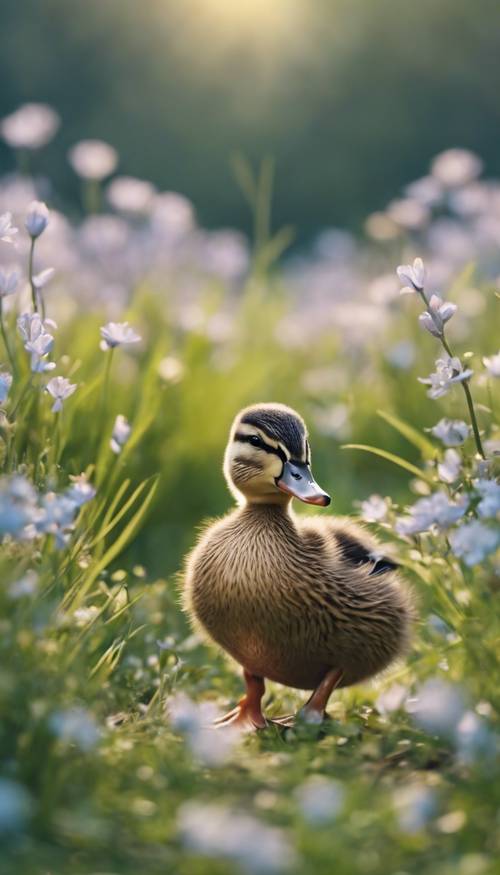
{"points": [[296, 479]]}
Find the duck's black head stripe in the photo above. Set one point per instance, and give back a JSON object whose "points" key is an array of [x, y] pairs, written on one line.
{"points": [[281, 427], [276, 451]]}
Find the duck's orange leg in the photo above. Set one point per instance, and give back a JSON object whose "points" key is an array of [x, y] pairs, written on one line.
{"points": [[248, 712], [314, 711]]}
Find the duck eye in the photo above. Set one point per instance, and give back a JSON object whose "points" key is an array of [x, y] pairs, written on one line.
{"points": [[255, 440]]}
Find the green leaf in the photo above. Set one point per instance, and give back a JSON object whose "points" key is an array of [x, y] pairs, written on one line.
{"points": [[391, 457], [116, 547], [413, 435], [275, 247], [244, 176], [108, 526]]}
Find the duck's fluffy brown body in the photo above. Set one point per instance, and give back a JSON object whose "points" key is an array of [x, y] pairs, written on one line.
{"points": [[289, 599]]}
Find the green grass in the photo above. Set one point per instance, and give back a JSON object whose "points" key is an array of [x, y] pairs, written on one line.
{"points": [[106, 798]]}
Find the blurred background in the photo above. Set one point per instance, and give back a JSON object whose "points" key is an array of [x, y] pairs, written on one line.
{"points": [[352, 98]]}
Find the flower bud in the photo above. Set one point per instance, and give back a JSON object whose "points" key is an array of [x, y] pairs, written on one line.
{"points": [[37, 218]]}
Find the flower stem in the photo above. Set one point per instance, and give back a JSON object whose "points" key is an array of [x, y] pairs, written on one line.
{"points": [[472, 414], [470, 403], [22, 396], [5, 340], [105, 384], [464, 383], [30, 276], [91, 196], [104, 403]]}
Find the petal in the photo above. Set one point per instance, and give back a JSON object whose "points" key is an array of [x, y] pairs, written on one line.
{"points": [[419, 272], [435, 302], [447, 311], [427, 322]]}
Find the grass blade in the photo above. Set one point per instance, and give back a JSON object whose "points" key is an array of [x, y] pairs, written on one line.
{"points": [[116, 547], [413, 435], [391, 457]]}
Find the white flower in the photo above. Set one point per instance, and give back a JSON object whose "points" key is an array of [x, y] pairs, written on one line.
{"points": [[7, 229], [435, 318], [471, 200], [117, 334], [448, 372], [8, 282], [391, 699], [427, 190], [30, 127], [224, 253], [473, 541], [5, 384], [437, 706], [456, 167], [436, 510], [80, 490], [37, 218], [30, 325], [320, 799], [76, 726], [194, 722], [25, 586], [219, 831], [489, 490], [492, 364], [375, 509], [452, 432], [449, 468], [84, 616], [414, 805], [39, 348], [93, 159], [171, 369], [121, 433], [412, 276], [129, 195], [173, 214], [408, 213], [473, 738], [60, 388], [41, 279], [37, 340]]}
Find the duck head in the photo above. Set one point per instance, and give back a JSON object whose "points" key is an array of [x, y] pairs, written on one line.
{"points": [[267, 458]]}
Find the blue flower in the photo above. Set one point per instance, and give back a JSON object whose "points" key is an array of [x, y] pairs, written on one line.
{"points": [[5, 384]]}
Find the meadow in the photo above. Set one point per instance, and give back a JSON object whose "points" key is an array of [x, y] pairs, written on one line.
{"points": [[130, 338]]}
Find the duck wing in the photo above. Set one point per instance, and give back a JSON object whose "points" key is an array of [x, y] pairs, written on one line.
{"points": [[356, 553]]}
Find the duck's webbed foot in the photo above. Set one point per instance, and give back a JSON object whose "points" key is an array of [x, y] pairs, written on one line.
{"points": [[247, 715], [314, 711]]}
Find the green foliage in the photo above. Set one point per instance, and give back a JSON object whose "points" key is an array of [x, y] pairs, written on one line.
{"points": [[104, 748]]}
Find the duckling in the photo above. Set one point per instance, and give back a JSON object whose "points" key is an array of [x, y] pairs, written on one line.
{"points": [[309, 602]]}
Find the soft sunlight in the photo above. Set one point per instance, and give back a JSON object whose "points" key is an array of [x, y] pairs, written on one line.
{"points": [[251, 15], [257, 24]]}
